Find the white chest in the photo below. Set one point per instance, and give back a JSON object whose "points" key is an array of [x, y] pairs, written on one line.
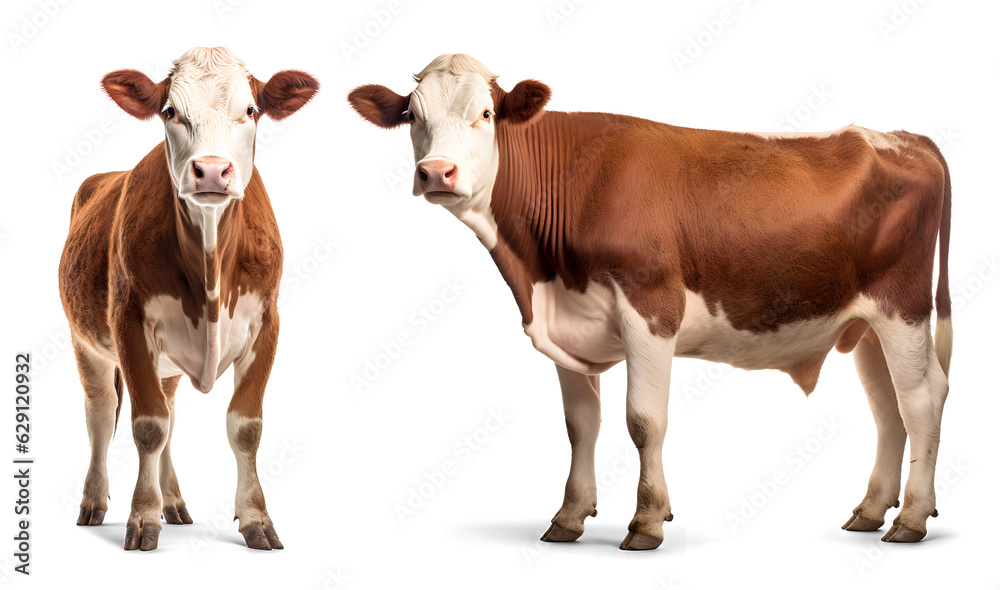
{"points": [[579, 331], [202, 350]]}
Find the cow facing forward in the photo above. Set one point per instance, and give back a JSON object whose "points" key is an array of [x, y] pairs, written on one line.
{"points": [[626, 239], [172, 269]]}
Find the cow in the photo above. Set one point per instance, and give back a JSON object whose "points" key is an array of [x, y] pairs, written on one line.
{"points": [[172, 269], [624, 239]]}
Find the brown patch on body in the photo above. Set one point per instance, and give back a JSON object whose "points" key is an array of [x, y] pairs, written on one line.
{"points": [[607, 198]]}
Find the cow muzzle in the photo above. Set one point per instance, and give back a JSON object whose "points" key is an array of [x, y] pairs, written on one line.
{"points": [[437, 178], [212, 177]]}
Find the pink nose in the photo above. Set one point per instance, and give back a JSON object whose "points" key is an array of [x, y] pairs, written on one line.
{"points": [[211, 174], [438, 176]]}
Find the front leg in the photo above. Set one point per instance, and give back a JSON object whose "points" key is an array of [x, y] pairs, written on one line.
{"points": [[648, 359], [137, 353], [244, 424], [582, 404]]}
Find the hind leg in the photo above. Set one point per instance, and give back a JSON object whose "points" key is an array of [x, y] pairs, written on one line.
{"points": [[174, 509], [582, 405], [883, 486], [101, 403], [921, 388]]}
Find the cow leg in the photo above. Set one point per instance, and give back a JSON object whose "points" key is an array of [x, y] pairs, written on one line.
{"points": [[137, 352], [921, 388], [582, 405], [174, 509], [648, 359], [243, 425], [883, 487], [101, 403]]}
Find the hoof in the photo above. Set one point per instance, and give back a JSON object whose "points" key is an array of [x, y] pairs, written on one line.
{"points": [[178, 515], [261, 537], [143, 538], [902, 534], [639, 542], [862, 523], [90, 517], [557, 534]]}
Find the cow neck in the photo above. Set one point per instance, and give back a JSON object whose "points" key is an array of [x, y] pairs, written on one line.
{"points": [[544, 168], [206, 239]]}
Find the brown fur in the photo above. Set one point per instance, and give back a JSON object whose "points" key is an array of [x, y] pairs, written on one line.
{"points": [[380, 105], [770, 231], [811, 222], [286, 92], [135, 93], [132, 238]]}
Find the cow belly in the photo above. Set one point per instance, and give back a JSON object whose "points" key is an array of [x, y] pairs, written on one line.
{"points": [[579, 331], [798, 348], [205, 351]]}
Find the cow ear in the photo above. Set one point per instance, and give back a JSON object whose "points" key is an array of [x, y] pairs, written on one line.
{"points": [[135, 93], [286, 92], [523, 102], [381, 106]]}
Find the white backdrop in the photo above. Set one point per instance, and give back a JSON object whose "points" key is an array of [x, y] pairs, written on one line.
{"points": [[367, 262]]}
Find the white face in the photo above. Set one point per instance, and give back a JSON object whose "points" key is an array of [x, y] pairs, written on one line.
{"points": [[454, 140], [210, 127]]}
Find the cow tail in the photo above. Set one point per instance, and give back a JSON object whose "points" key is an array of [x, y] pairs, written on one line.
{"points": [[118, 390], [943, 334]]}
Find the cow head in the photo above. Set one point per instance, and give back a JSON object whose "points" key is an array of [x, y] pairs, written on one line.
{"points": [[210, 105], [453, 116]]}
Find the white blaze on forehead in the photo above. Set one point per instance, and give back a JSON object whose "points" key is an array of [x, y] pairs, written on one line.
{"points": [[450, 85], [210, 92], [209, 79]]}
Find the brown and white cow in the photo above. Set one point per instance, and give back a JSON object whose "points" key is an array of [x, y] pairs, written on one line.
{"points": [[627, 239], [172, 269]]}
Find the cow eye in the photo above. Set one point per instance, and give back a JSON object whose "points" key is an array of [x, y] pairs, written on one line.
{"points": [[170, 112], [486, 115], [250, 111]]}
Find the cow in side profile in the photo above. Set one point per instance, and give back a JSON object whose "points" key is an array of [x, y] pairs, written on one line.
{"points": [[172, 269], [627, 239]]}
